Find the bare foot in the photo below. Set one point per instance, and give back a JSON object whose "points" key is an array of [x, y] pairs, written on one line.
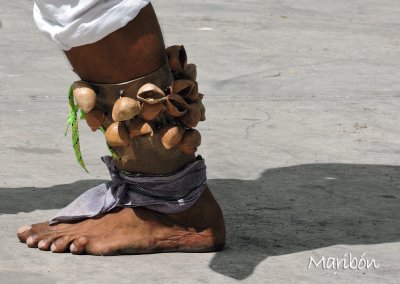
{"points": [[130, 231]]}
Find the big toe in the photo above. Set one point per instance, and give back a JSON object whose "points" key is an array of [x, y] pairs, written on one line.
{"points": [[23, 233]]}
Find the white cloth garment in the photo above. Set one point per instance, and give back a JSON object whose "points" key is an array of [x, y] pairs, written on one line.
{"points": [[71, 23]]}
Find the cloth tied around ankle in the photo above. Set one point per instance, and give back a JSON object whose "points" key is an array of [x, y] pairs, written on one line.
{"points": [[172, 193]]}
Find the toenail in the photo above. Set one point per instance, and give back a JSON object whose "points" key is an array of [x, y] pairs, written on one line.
{"points": [[53, 247], [41, 244], [23, 229], [72, 248]]}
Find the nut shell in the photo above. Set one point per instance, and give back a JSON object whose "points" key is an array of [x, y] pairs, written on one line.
{"points": [[192, 117], [183, 87], [151, 111], [191, 72], [95, 118], [176, 105], [202, 110], [84, 95], [117, 135], [177, 58], [150, 94], [190, 141], [139, 127], [171, 135], [125, 108]]}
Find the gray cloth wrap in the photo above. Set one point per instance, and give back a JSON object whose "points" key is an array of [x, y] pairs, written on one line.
{"points": [[170, 193]]}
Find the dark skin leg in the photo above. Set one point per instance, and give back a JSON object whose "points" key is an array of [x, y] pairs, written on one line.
{"points": [[128, 53]]}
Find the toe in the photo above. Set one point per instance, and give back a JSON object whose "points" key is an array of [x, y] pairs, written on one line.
{"points": [[61, 244], [32, 241], [43, 245], [23, 233], [99, 246], [78, 245], [46, 242]]}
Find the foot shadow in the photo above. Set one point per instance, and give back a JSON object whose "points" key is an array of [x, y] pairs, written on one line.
{"points": [[286, 210], [305, 207]]}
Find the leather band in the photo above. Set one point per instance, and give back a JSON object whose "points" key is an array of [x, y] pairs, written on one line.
{"points": [[107, 94]]}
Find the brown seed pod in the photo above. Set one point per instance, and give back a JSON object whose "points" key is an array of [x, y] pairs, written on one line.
{"points": [[117, 135], [84, 95], [152, 98], [202, 110], [150, 94], [191, 72], [188, 89], [175, 105], [190, 141], [139, 127], [171, 135], [193, 97], [192, 117], [95, 118], [125, 108], [183, 87], [151, 112], [177, 58]]}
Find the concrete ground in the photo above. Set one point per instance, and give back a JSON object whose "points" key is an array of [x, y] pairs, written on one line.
{"points": [[302, 143]]}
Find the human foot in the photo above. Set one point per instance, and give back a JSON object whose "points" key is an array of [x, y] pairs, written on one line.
{"points": [[131, 231]]}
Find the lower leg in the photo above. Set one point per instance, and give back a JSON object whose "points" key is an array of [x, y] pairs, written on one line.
{"points": [[130, 52]]}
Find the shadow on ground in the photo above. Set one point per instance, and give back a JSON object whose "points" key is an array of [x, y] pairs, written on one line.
{"points": [[293, 209], [286, 210], [28, 199]]}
